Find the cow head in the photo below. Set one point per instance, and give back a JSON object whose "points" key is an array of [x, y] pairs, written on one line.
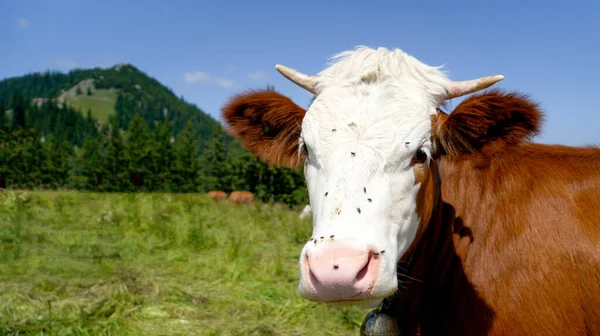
{"points": [[368, 144]]}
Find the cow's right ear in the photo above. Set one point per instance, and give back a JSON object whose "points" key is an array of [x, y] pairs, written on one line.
{"points": [[268, 124]]}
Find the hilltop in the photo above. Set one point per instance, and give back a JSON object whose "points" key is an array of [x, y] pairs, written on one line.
{"points": [[112, 96]]}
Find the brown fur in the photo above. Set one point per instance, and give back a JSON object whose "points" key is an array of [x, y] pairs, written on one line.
{"points": [[217, 195], [269, 124], [509, 242], [494, 119], [241, 197]]}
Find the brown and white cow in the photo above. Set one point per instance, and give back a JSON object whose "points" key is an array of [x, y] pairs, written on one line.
{"points": [[456, 221]]}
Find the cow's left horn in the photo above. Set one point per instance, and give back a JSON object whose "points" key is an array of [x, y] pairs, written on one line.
{"points": [[462, 88], [307, 82]]}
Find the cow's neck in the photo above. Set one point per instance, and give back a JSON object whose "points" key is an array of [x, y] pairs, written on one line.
{"points": [[431, 277]]}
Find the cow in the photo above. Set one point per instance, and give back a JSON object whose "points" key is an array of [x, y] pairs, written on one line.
{"points": [[449, 223], [305, 212], [217, 195], [241, 197]]}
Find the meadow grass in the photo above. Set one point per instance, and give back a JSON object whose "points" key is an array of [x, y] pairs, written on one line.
{"points": [[101, 103], [154, 264]]}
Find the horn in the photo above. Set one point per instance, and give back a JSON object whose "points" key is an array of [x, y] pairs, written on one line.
{"points": [[306, 82], [462, 88]]}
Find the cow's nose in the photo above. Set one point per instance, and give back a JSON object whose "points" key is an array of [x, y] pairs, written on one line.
{"points": [[342, 273]]}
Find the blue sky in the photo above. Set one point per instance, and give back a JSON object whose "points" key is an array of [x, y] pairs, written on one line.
{"points": [[208, 50]]}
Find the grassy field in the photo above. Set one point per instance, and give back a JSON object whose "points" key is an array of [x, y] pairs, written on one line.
{"points": [[101, 103], [154, 264]]}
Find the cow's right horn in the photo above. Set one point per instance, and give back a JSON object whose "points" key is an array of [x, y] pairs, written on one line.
{"points": [[462, 88]]}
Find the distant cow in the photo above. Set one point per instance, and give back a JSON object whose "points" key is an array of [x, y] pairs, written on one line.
{"points": [[217, 195], [456, 221], [241, 197]]}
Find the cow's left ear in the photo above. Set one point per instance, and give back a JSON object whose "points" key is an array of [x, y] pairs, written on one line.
{"points": [[486, 121], [268, 124]]}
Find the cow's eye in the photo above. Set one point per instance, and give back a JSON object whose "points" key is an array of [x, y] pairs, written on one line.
{"points": [[420, 156], [305, 149]]}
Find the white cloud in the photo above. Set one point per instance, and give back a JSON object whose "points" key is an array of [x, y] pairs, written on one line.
{"points": [[202, 77], [64, 64], [197, 77], [258, 76], [23, 23], [223, 82]]}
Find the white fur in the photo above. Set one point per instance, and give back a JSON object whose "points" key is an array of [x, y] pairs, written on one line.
{"points": [[376, 100], [305, 212]]}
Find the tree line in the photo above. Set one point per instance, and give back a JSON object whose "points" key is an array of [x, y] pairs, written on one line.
{"points": [[50, 146]]}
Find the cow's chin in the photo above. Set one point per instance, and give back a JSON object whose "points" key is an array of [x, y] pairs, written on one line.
{"points": [[373, 298], [365, 304]]}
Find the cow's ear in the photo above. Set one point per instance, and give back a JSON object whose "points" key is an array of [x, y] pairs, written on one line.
{"points": [[268, 124], [487, 122]]}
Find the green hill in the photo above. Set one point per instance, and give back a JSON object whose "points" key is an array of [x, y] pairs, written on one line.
{"points": [[113, 95]]}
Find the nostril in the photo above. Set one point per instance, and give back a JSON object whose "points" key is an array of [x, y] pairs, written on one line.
{"points": [[361, 274]]}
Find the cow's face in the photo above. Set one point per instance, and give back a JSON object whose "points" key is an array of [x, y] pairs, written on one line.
{"points": [[366, 146], [368, 154]]}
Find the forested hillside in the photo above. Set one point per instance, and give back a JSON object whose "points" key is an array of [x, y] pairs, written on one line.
{"points": [[137, 93], [119, 130]]}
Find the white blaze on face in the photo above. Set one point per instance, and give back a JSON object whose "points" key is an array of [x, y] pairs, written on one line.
{"points": [[371, 115]]}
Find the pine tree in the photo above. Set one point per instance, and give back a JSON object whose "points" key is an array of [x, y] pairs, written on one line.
{"points": [[29, 158], [162, 157], [54, 168], [185, 167], [93, 164], [90, 126], [213, 162], [62, 156], [19, 105], [116, 164], [3, 117], [234, 170], [138, 152]]}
